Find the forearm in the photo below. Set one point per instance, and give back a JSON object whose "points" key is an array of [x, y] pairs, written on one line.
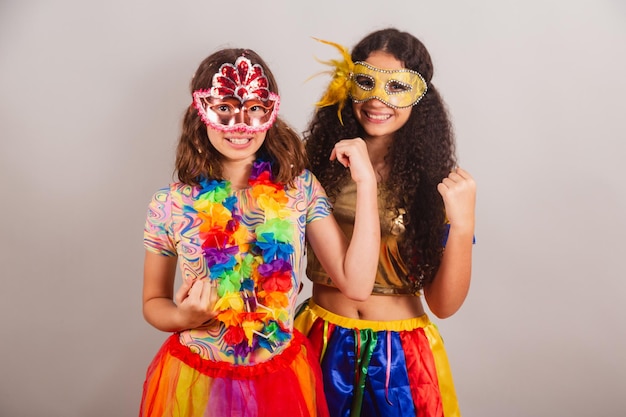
{"points": [[448, 290], [352, 265], [163, 314], [361, 260]]}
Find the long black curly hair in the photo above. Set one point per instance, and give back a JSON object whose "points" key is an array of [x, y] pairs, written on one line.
{"points": [[421, 154]]}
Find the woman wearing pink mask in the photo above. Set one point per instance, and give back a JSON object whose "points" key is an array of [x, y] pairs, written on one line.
{"points": [[236, 223]]}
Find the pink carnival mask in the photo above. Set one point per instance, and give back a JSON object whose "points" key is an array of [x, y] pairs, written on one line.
{"points": [[239, 99]]}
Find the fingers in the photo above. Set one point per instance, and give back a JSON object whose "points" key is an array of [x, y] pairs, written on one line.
{"points": [[353, 154], [201, 292], [459, 174], [456, 177], [342, 152], [196, 289], [198, 304], [348, 147], [340, 157], [458, 191], [183, 291], [208, 294], [463, 173]]}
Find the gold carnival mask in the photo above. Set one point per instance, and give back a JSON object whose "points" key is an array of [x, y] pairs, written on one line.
{"points": [[396, 88]]}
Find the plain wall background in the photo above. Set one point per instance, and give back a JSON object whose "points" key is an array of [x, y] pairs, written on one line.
{"points": [[91, 99]]}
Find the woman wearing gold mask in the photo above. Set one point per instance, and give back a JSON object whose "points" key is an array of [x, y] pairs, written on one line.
{"points": [[383, 356]]}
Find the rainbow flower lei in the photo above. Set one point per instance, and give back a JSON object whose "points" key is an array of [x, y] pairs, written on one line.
{"points": [[252, 270]]}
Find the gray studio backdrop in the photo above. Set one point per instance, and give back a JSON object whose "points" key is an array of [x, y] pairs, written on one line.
{"points": [[91, 99]]}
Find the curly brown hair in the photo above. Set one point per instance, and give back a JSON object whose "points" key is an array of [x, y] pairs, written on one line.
{"points": [[421, 154], [195, 155]]}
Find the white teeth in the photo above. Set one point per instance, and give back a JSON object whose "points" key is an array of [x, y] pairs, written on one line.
{"points": [[378, 116], [238, 141]]}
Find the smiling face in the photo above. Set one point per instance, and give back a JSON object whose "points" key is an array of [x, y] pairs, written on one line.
{"points": [[377, 118], [236, 146]]}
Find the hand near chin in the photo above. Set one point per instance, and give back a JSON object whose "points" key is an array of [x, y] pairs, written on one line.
{"points": [[352, 153]]}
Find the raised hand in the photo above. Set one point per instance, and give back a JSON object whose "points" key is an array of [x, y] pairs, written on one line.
{"points": [[458, 191], [352, 153]]}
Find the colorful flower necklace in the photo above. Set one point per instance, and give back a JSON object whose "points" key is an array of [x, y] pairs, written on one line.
{"points": [[252, 271]]}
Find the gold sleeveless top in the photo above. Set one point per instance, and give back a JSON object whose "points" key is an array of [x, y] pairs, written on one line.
{"points": [[391, 277]]}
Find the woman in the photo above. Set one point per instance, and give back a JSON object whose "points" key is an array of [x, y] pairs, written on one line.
{"points": [[383, 356], [236, 223]]}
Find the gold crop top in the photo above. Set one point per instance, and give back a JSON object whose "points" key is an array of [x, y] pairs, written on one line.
{"points": [[391, 277]]}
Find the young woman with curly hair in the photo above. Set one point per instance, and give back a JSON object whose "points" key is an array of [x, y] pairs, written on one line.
{"points": [[383, 356]]}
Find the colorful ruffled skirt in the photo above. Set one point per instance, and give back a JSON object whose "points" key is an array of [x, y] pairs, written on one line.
{"points": [[181, 383], [380, 368]]}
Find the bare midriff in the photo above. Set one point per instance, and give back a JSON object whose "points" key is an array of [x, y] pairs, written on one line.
{"points": [[377, 307]]}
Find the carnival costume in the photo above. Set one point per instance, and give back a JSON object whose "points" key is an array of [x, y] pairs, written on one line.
{"points": [[248, 361], [377, 368]]}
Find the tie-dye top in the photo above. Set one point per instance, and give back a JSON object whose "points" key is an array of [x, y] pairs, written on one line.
{"points": [[171, 229]]}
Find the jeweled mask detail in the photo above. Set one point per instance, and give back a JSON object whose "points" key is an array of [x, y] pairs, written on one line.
{"points": [[398, 88], [239, 99]]}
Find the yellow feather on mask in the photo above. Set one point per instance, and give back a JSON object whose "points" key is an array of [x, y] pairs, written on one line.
{"points": [[339, 87]]}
